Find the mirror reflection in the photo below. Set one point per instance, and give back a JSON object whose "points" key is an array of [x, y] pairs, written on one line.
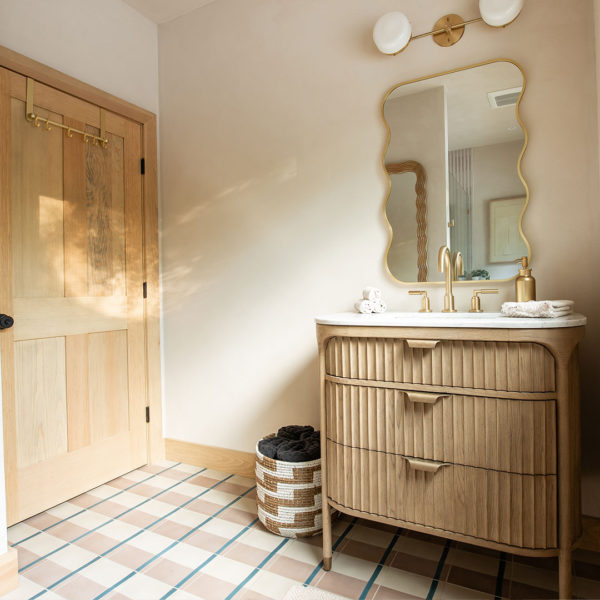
{"points": [[453, 162]]}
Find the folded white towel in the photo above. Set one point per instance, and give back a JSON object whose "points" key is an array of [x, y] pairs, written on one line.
{"points": [[364, 306], [379, 306], [372, 294], [562, 303], [540, 309]]}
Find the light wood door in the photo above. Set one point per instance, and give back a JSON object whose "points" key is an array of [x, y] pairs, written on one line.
{"points": [[73, 365]]}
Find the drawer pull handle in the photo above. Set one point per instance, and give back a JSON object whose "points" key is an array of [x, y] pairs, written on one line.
{"points": [[426, 465], [427, 344], [425, 397]]}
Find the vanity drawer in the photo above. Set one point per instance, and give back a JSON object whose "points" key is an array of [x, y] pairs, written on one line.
{"points": [[519, 510], [517, 436], [506, 366]]}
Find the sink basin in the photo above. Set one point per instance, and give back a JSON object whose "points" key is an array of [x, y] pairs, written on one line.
{"points": [[459, 319]]}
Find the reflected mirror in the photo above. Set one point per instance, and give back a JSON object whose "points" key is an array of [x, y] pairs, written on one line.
{"points": [[453, 160]]}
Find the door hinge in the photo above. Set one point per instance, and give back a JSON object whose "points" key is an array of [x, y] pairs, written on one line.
{"points": [[147, 414], [143, 166], [145, 289]]}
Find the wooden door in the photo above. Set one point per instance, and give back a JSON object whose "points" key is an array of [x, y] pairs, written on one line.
{"points": [[73, 365]]}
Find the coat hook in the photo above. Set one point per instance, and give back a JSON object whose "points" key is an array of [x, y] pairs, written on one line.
{"points": [[48, 128], [36, 122], [86, 138]]}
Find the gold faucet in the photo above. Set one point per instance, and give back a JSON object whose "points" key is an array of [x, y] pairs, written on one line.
{"points": [[425, 302], [445, 266], [458, 265], [476, 300]]}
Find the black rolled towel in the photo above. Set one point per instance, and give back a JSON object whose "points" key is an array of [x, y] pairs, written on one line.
{"points": [[268, 447], [294, 432], [298, 450], [313, 435]]}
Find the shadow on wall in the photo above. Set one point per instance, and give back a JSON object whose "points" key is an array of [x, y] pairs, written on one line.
{"points": [[284, 408]]}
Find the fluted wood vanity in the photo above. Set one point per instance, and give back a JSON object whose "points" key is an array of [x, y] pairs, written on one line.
{"points": [[469, 432]]}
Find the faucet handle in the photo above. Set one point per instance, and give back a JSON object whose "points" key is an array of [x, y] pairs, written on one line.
{"points": [[476, 300], [425, 302]]}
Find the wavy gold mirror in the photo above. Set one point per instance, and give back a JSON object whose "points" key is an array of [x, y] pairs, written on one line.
{"points": [[453, 157]]}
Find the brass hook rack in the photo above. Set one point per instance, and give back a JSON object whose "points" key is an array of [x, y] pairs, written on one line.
{"points": [[37, 121]]}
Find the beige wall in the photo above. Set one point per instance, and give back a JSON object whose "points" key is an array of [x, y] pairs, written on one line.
{"points": [[273, 191], [105, 43], [417, 124]]}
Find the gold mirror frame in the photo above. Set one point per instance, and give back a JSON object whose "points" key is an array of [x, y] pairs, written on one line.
{"points": [[412, 166], [389, 189]]}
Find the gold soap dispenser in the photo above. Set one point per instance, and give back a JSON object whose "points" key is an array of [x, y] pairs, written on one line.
{"points": [[525, 282]]}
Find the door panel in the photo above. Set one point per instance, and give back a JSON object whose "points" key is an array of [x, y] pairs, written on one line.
{"points": [[73, 365], [40, 400], [37, 217]]}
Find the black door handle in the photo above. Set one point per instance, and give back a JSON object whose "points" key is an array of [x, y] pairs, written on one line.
{"points": [[6, 321]]}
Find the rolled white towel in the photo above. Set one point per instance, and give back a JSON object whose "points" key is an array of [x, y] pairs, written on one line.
{"points": [[364, 306], [372, 294], [540, 309], [379, 306]]}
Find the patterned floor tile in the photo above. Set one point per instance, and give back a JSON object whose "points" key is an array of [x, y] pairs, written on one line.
{"points": [[222, 528], [416, 564], [72, 557], [130, 556], [26, 590], [105, 571], [586, 588], [161, 526], [206, 541], [142, 587], [67, 531], [45, 572], [42, 544], [269, 585], [369, 535], [227, 569], [64, 510], [337, 583], [482, 563], [98, 542], [20, 531], [404, 581], [207, 587], [187, 555], [302, 551], [79, 587], [449, 591], [42, 521], [167, 571], [150, 542], [384, 593]]}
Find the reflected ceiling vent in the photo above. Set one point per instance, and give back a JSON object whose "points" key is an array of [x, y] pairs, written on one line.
{"points": [[503, 98]]}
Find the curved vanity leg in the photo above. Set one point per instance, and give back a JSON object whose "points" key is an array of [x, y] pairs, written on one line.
{"points": [[564, 575], [327, 551]]}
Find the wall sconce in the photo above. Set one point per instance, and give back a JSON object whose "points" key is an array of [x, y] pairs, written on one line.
{"points": [[392, 32]]}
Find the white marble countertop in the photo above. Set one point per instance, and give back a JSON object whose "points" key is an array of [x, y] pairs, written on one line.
{"points": [[464, 319]]}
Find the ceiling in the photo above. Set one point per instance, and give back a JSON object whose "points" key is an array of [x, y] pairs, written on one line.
{"points": [[161, 11]]}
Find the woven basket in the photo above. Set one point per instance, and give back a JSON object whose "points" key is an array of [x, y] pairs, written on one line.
{"points": [[289, 496]]}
